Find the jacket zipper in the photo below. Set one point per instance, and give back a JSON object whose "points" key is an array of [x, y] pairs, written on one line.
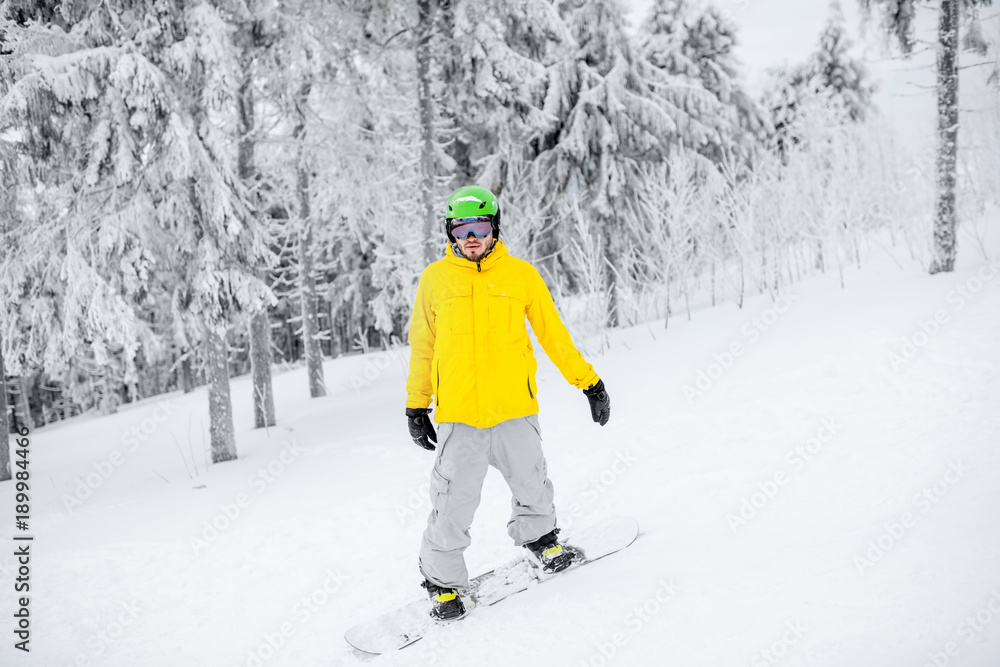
{"points": [[437, 390], [529, 388]]}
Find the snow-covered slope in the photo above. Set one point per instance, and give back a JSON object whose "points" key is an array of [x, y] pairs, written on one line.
{"points": [[811, 490]]}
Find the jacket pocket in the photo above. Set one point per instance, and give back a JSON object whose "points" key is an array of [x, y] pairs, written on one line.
{"points": [[437, 383], [506, 309], [498, 307], [530, 366], [456, 311]]}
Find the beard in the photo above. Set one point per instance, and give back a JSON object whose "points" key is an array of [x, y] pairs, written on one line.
{"points": [[478, 254]]}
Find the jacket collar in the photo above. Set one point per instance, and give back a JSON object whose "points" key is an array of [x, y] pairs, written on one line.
{"points": [[499, 250]]}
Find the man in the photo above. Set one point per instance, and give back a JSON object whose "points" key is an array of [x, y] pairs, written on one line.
{"points": [[470, 352]]}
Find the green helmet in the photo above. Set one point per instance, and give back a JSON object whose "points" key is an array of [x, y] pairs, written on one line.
{"points": [[469, 201]]}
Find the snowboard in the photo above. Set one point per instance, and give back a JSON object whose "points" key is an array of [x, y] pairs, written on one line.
{"points": [[404, 626]]}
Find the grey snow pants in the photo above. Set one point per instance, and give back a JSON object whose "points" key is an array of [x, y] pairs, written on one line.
{"points": [[464, 454]]}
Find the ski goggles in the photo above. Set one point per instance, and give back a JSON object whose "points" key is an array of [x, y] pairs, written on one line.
{"points": [[480, 226]]}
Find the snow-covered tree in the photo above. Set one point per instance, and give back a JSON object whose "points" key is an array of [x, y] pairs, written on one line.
{"points": [[136, 102], [831, 72], [693, 45], [897, 20], [343, 165], [297, 66], [838, 71], [609, 119], [509, 49], [253, 36]]}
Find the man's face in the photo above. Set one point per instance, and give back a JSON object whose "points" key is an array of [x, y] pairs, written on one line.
{"points": [[474, 249]]}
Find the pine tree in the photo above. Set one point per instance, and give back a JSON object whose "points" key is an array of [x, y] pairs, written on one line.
{"points": [[610, 119], [307, 221], [429, 163], [251, 40], [138, 102], [836, 70], [498, 63], [898, 17], [693, 47], [345, 159], [830, 74], [289, 71], [6, 214]]}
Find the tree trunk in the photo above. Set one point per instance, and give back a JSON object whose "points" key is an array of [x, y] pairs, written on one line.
{"points": [[260, 363], [185, 372], [220, 407], [307, 281], [109, 394], [713, 280], [428, 162], [187, 376], [334, 331], [4, 425], [612, 318], [947, 90], [260, 329], [22, 409], [310, 326], [451, 76]]}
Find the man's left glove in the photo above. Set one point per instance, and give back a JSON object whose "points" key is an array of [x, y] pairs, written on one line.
{"points": [[421, 430], [600, 404]]}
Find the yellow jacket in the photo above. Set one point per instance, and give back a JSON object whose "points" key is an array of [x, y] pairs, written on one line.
{"points": [[469, 347]]}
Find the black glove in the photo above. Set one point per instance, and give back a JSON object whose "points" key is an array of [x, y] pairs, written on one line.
{"points": [[600, 404], [421, 430]]}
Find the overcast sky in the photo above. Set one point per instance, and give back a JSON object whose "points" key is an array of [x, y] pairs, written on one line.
{"points": [[785, 32]]}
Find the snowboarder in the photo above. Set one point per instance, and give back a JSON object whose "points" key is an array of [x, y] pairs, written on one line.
{"points": [[470, 353]]}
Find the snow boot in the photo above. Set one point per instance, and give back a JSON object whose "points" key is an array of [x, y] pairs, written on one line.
{"points": [[551, 556], [446, 604]]}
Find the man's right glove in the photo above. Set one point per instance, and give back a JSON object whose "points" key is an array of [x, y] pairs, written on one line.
{"points": [[421, 430], [600, 404]]}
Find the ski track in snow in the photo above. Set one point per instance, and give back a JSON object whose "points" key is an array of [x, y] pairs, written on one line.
{"points": [[781, 509]]}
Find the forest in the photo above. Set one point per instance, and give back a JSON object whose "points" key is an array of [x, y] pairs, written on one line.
{"points": [[199, 189]]}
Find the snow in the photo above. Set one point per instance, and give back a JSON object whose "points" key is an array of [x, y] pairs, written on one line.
{"points": [[321, 515]]}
